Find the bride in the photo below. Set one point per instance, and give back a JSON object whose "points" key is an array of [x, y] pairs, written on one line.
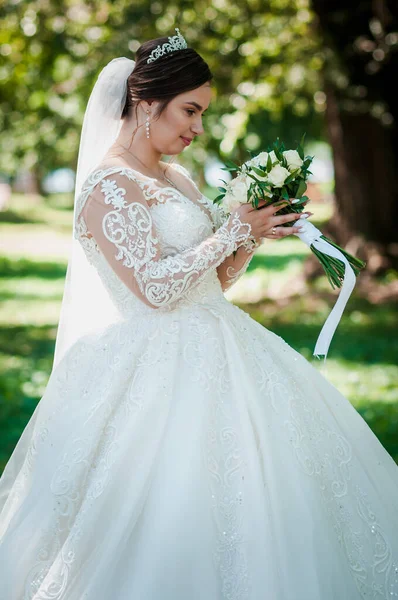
{"points": [[181, 451]]}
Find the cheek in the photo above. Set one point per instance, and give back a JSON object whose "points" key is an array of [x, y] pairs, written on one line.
{"points": [[177, 122], [172, 127]]}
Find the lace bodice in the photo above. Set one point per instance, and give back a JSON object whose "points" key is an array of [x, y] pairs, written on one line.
{"points": [[153, 241]]}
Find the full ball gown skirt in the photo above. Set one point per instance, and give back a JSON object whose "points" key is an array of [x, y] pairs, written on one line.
{"points": [[193, 454]]}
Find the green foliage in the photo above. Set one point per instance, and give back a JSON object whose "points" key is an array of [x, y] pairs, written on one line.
{"points": [[266, 66]]}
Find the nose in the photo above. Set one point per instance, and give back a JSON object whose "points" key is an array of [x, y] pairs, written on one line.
{"points": [[197, 127]]}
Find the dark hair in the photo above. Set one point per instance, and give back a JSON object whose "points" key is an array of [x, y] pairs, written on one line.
{"points": [[163, 79]]}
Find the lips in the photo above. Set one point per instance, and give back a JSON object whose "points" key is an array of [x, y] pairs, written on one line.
{"points": [[186, 141]]}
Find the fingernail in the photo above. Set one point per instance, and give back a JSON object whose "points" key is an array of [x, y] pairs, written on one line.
{"points": [[304, 215]]}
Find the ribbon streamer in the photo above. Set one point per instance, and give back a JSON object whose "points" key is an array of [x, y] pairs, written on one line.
{"points": [[311, 236]]}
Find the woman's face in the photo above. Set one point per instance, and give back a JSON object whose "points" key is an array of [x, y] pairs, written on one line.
{"points": [[182, 118]]}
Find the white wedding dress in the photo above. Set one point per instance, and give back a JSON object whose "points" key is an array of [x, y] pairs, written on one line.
{"points": [[186, 452]]}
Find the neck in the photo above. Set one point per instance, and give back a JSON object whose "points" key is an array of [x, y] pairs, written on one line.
{"points": [[140, 146]]}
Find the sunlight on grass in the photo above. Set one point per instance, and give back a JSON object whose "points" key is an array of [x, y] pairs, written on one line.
{"points": [[364, 383], [30, 300], [275, 265], [14, 312], [32, 288], [54, 211], [35, 241]]}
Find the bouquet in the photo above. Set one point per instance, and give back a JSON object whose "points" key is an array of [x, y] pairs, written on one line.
{"points": [[280, 174]]}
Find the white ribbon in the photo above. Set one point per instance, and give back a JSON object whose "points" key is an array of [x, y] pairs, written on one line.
{"points": [[312, 236]]}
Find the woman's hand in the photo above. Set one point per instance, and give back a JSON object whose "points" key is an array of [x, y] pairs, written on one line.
{"points": [[265, 223]]}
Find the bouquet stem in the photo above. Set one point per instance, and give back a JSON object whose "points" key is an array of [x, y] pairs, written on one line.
{"points": [[341, 269], [335, 268]]}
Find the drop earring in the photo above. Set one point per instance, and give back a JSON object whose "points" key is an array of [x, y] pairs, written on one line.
{"points": [[147, 123]]}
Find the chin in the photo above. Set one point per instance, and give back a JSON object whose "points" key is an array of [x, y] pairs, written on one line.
{"points": [[171, 150]]}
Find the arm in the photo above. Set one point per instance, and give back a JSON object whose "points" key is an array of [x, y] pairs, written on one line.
{"points": [[116, 215], [233, 266]]}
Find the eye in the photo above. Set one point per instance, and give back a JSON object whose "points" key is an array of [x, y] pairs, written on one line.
{"points": [[190, 112]]}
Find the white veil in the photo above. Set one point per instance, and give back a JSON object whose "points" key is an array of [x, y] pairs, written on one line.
{"points": [[86, 306]]}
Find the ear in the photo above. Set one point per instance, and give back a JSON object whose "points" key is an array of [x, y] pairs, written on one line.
{"points": [[148, 105]]}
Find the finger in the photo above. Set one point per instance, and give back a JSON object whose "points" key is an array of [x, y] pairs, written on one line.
{"points": [[291, 230], [261, 203], [279, 220], [280, 232], [276, 207]]}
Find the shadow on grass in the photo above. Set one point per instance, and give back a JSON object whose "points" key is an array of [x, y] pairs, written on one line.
{"points": [[367, 341], [26, 352], [382, 418], [26, 268], [9, 216], [35, 342], [367, 345]]}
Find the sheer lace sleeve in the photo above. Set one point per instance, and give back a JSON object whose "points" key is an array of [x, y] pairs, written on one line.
{"points": [[117, 216], [235, 265]]}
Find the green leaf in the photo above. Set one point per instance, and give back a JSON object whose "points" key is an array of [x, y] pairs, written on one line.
{"points": [[221, 189], [290, 178], [301, 188], [230, 163], [300, 152], [278, 154], [260, 172], [307, 161]]}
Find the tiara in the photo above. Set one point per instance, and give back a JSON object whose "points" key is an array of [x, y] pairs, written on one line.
{"points": [[176, 42]]}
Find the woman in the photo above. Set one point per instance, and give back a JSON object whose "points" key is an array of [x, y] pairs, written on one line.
{"points": [[181, 450]]}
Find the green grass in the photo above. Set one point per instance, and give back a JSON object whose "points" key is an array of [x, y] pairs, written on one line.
{"points": [[34, 244]]}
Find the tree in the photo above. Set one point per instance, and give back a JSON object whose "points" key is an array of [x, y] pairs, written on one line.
{"points": [[361, 62], [263, 56]]}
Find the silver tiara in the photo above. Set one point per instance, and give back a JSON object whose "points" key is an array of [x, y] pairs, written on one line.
{"points": [[176, 42]]}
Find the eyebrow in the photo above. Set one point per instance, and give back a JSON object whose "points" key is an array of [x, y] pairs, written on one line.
{"points": [[196, 106]]}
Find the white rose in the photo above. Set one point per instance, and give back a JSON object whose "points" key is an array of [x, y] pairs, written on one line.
{"points": [[260, 159], [236, 193], [273, 157], [293, 159], [229, 203], [239, 188], [277, 176]]}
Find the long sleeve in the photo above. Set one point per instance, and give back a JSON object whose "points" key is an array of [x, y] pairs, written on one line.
{"points": [[117, 216], [234, 265]]}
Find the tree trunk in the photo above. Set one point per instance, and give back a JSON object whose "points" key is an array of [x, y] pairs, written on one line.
{"points": [[362, 125], [366, 186]]}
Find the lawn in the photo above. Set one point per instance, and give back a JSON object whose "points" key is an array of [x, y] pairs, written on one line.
{"points": [[35, 238]]}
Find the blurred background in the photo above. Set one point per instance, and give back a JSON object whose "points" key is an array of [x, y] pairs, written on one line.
{"points": [[282, 68]]}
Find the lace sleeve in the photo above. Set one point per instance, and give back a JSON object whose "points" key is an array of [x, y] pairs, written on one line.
{"points": [[116, 215]]}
